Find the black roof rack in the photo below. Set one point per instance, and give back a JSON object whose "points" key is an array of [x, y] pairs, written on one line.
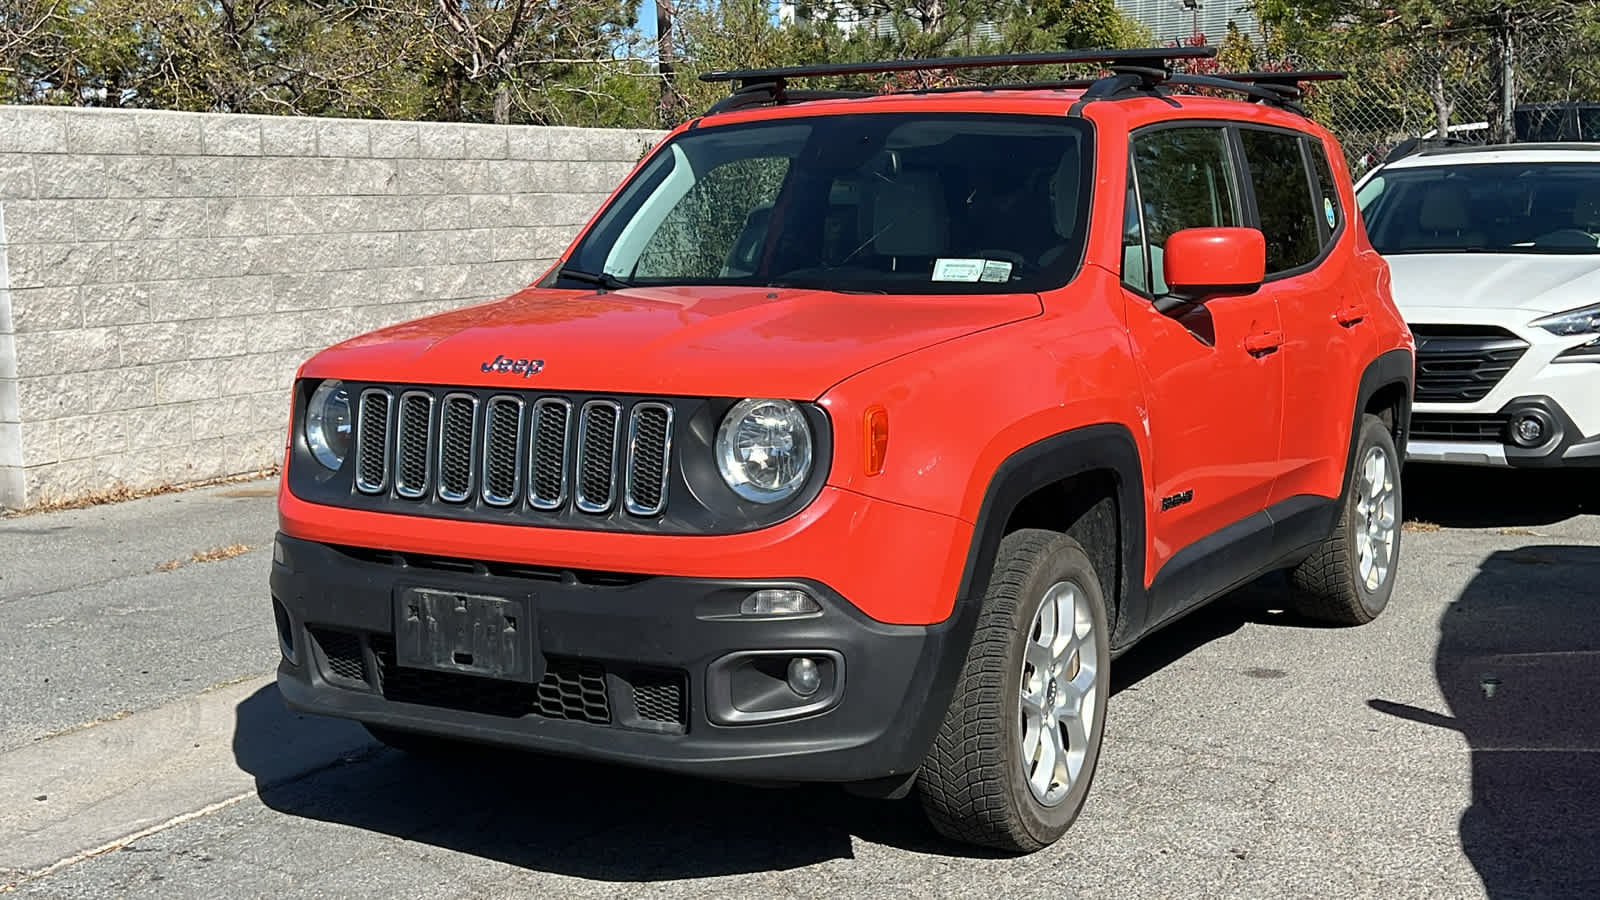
{"points": [[1138, 72], [1149, 56]]}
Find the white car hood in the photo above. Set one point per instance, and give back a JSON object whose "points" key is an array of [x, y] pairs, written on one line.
{"points": [[1535, 283]]}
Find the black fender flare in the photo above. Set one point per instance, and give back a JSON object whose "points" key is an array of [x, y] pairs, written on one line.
{"points": [[1396, 367], [1104, 447]]}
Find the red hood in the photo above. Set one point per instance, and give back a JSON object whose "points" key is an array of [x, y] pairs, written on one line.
{"points": [[705, 341]]}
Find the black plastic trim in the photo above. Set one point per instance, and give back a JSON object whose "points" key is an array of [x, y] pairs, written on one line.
{"points": [[1566, 445], [880, 727]]}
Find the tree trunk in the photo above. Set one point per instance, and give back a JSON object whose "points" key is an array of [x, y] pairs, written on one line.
{"points": [[502, 104], [668, 106], [1442, 107], [1503, 79]]}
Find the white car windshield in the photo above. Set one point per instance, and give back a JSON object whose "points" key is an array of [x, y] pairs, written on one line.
{"points": [[1485, 208], [893, 203]]}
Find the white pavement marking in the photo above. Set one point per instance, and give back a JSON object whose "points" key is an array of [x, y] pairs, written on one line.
{"points": [[106, 783]]}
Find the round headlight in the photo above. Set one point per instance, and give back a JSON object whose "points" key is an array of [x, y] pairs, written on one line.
{"points": [[329, 424], [764, 450]]}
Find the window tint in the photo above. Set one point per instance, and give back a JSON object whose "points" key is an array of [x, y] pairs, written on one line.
{"points": [[1327, 192], [1185, 180], [1283, 198]]}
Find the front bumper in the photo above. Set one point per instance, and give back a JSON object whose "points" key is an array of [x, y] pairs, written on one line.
{"points": [[1495, 439], [635, 669]]}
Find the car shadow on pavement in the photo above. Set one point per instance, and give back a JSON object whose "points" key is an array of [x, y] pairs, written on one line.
{"points": [[570, 817], [1469, 497], [1519, 665]]}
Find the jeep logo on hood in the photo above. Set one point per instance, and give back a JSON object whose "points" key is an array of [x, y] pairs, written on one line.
{"points": [[527, 368]]}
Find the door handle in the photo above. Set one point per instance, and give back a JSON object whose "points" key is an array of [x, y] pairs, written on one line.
{"points": [[1262, 343], [1352, 314]]}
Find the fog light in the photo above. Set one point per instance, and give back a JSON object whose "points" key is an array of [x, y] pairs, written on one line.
{"points": [[804, 677], [1530, 431], [779, 603]]}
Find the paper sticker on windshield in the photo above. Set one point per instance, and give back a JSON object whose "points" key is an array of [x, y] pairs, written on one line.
{"points": [[995, 270], [971, 270], [957, 269]]}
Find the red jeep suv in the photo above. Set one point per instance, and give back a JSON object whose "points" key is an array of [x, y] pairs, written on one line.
{"points": [[857, 434]]}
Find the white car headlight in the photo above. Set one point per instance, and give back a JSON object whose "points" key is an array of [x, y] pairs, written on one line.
{"points": [[329, 424], [764, 450], [1576, 321]]}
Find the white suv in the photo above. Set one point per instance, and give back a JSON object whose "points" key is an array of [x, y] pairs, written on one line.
{"points": [[1495, 255]]}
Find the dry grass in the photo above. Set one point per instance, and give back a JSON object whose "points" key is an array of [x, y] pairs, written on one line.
{"points": [[1417, 525], [204, 556], [122, 493]]}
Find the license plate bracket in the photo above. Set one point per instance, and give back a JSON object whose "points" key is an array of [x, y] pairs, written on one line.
{"points": [[465, 633]]}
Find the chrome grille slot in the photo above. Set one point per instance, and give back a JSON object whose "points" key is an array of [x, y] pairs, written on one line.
{"points": [[412, 471], [458, 425], [649, 447], [372, 441], [598, 436], [548, 465], [502, 436]]}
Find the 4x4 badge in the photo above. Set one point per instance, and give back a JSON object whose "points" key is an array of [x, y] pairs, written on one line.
{"points": [[527, 368]]}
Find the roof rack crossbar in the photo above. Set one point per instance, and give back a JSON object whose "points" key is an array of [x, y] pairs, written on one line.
{"points": [[1152, 57]]}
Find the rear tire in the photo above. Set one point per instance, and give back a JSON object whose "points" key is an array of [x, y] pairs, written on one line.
{"points": [[1348, 579], [1032, 692]]}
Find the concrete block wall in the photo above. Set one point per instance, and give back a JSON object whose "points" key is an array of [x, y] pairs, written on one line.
{"points": [[163, 274]]}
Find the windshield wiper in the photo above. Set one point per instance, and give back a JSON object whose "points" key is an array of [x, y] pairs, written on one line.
{"points": [[604, 280]]}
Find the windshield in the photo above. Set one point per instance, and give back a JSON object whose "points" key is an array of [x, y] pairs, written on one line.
{"points": [[1485, 208], [891, 203]]}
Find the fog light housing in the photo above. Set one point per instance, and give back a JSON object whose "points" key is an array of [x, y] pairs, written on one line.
{"points": [[779, 604], [1530, 430], [804, 677]]}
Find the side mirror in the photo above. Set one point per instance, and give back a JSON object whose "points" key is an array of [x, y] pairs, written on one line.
{"points": [[1202, 262]]}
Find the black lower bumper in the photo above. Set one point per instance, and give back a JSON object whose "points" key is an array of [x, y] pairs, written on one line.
{"points": [[659, 672], [1532, 432]]}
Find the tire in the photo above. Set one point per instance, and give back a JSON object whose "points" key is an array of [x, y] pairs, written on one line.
{"points": [[1350, 575], [974, 784]]}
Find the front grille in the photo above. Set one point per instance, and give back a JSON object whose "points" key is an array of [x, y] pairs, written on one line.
{"points": [[514, 452], [458, 431], [597, 455], [659, 698], [372, 436], [649, 446], [341, 653], [1446, 427], [1463, 363], [572, 689]]}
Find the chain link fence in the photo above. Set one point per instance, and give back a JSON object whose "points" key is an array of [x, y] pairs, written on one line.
{"points": [[1458, 86]]}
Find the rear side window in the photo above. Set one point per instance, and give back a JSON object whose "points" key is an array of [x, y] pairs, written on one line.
{"points": [[1327, 191], [1283, 199], [1183, 178]]}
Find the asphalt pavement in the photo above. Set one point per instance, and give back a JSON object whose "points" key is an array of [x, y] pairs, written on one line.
{"points": [[1450, 749]]}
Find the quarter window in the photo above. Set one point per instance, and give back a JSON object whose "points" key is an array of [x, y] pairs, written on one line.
{"points": [[1327, 191], [1185, 179], [1283, 199]]}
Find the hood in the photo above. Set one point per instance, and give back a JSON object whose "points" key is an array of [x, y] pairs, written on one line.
{"points": [[1532, 282], [694, 341]]}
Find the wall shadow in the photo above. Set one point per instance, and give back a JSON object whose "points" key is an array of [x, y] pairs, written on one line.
{"points": [[1519, 665], [1479, 497]]}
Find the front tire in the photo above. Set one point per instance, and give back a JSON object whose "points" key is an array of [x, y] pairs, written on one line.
{"points": [[1348, 579], [1012, 762]]}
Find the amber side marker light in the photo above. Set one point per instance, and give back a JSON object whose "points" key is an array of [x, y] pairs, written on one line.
{"points": [[876, 438]]}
